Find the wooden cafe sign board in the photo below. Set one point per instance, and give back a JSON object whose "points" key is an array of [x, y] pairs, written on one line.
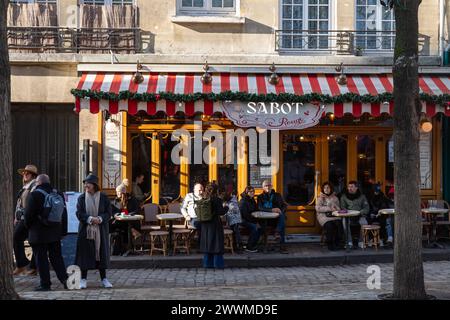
{"points": [[273, 115]]}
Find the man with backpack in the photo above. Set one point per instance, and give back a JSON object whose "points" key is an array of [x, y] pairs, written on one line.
{"points": [[46, 219]]}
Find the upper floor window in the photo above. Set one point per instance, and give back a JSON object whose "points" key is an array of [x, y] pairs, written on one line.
{"points": [[207, 6], [374, 25], [305, 24], [33, 1], [107, 2]]}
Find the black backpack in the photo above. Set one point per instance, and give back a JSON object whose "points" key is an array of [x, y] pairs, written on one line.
{"points": [[54, 206]]}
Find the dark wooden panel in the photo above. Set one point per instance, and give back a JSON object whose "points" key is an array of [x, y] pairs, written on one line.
{"points": [[47, 136]]}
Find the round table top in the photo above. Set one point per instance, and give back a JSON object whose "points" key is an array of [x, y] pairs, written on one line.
{"points": [[386, 211], [265, 215], [169, 216], [349, 213], [135, 217], [435, 210]]}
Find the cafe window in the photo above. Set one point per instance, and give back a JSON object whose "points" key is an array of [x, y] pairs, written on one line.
{"points": [[337, 163], [198, 172], [260, 168], [298, 168], [141, 155], [170, 172], [227, 170], [366, 163], [389, 184]]}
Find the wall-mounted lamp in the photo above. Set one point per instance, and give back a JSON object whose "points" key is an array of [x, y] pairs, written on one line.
{"points": [[274, 78], [426, 125], [138, 77], [206, 77], [342, 78]]}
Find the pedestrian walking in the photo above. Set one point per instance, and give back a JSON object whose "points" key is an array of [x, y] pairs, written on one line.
{"points": [[94, 213], [46, 219]]}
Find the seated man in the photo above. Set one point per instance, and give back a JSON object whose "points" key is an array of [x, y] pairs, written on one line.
{"points": [[188, 206], [271, 201], [353, 199], [377, 202]]}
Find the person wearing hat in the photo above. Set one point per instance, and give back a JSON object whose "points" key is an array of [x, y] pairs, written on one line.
{"points": [[29, 174], [94, 213]]}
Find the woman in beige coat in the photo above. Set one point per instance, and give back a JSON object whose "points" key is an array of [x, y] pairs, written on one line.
{"points": [[326, 203]]}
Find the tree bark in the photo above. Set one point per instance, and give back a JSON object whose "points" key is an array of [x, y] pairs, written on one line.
{"points": [[408, 265], [7, 290]]}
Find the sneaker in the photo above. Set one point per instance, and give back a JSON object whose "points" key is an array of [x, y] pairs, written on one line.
{"points": [[83, 284], [106, 283], [361, 245], [390, 239]]}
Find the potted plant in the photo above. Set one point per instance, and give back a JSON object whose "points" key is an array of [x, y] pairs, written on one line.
{"points": [[359, 51]]}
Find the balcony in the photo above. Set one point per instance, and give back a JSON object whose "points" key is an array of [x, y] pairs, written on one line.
{"points": [[341, 42], [74, 40]]}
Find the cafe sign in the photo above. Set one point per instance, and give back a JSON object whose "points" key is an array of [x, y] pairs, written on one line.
{"points": [[273, 115]]}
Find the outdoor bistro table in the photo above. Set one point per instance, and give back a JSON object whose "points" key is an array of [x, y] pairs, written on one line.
{"points": [[264, 217], [345, 216], [129, 218], [386, 211], [170, 217], [431, 214]]}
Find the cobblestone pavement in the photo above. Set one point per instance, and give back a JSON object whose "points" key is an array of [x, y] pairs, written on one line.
{"points": [[309, 283]]}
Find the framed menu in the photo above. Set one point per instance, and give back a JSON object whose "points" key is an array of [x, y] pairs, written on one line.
{"points": [[426, 160], [111, 153]]}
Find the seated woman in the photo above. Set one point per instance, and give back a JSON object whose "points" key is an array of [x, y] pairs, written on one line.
{"points": [[326, 203], [247, 205]]}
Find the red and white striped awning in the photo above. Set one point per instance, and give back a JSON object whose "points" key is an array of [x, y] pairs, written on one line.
{"points": [[299, 84]]}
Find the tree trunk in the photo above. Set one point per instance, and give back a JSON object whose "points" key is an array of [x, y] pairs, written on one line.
{"points": [[408, 266], [7, 291]]}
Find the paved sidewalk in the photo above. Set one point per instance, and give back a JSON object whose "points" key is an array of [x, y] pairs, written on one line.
{"points": [[309, 283]]}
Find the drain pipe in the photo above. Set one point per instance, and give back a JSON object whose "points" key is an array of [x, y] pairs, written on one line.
{"points": [[441, 31]]}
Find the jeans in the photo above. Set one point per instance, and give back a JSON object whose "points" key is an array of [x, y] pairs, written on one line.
{"points": [[237, 235], [213, 261], [389, 227], [255, 234], [51, 251], [198, 226], [20, 235], [281, 226], [356, 224]]}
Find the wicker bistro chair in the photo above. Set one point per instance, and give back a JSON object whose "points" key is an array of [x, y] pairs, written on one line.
{"points": [[369, 230], [150, 223], [181, 240], [442, 220]]}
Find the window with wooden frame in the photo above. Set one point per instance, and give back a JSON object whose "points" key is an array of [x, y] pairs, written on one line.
{"points": [[207, 6]]}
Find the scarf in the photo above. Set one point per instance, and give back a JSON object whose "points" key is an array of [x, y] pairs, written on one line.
{"points": [[93, 231], [353, 196]]}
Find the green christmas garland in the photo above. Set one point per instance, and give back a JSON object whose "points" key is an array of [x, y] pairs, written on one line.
{"points": [[442, 100]]}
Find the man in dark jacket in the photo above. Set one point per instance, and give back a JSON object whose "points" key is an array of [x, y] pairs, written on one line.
{"points": [[45, 239], [271, 201], [379, 201]]}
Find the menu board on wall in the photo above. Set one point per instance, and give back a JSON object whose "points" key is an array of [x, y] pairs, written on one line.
{"points": [[426, 160], [111, 153]]}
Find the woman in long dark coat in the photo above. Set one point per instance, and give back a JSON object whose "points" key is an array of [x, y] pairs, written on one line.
{"points": [[212, 237], [94, 213]]}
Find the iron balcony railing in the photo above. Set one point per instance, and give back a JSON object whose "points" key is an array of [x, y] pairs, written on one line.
{"points": [[332, 41], [74, 40]]}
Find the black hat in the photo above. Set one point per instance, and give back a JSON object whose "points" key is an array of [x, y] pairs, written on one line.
{"points": [[91, 179]]}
